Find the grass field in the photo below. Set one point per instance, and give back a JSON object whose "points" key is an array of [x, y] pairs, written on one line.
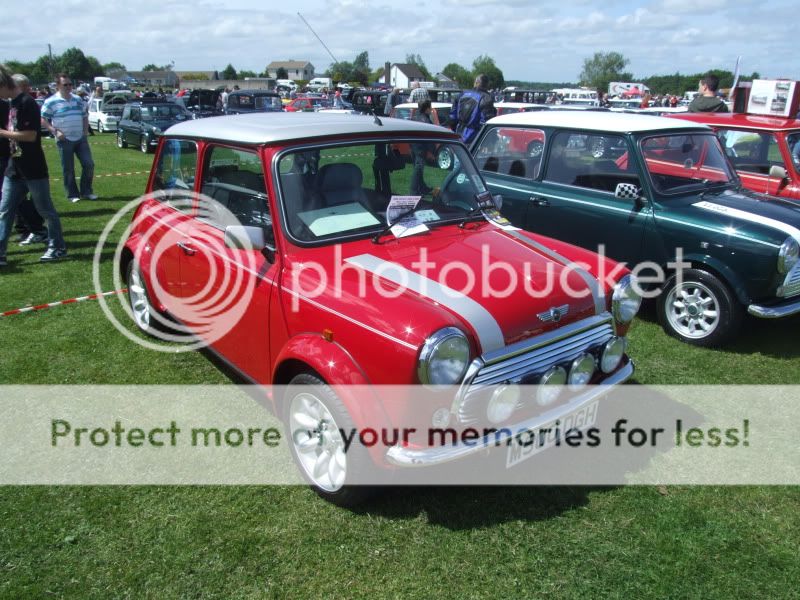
{"points": [[250, 542]]}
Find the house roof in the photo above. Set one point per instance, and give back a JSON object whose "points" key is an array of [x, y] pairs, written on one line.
{"points": [[289, 64], [410, 70], [152, 74]]}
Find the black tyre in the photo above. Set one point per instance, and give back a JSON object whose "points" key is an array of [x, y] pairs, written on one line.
{"points": [[100, 128], [701, 310], [144, 145], [121, 143], [315, 418], [535, 149]]}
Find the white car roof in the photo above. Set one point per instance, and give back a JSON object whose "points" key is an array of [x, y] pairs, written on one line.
{"points": [[592, 120], [415, 105], [266, 128]]}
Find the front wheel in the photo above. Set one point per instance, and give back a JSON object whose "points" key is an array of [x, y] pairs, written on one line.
{"points": [[700, 309], [121, 143], [444, 159], [144, 145], [100, 128], [317, 422]]}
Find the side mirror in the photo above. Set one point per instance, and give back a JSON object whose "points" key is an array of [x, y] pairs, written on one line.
{"points": [[245, 237], [778, 172], [627, 191]]}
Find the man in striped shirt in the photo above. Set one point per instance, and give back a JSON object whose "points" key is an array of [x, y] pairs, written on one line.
{"points": [[67, 118]]}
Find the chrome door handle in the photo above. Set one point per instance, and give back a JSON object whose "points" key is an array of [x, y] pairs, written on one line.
{"points": [[186, 248], [539, 201]]}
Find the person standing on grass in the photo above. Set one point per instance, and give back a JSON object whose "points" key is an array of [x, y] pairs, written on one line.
{"points": [[67, 118], [27, 168]]}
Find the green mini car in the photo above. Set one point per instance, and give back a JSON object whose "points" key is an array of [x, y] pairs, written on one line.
{"points": [[649, 190]]}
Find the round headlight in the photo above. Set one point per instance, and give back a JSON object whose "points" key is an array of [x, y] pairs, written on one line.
{"points": [[503, 403], [612, 354], [626, 300], [787, 255], [444, 358], [581, 371], [550, 386]]}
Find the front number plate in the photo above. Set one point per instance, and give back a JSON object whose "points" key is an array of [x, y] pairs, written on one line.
{"points": [[530, 442]]}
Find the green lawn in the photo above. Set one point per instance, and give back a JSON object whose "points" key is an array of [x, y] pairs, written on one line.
{"points": [[248, 542]]}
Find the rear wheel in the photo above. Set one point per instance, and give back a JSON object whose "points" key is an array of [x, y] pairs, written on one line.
{"points": [[700, 310], [144, 145], [316, 420]]}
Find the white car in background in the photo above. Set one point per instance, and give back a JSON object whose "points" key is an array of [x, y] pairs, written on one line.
{"points": [[104, 113]]}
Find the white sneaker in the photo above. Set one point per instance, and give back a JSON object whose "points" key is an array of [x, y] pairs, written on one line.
{"points": [[91, 197], [74, 200]]}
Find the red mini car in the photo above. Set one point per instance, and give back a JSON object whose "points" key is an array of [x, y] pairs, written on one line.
{"points": [[280, 241], [764, 150], [306, 104]]}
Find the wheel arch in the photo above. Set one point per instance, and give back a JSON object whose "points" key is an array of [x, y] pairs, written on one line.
{"points": [[721, 271]]}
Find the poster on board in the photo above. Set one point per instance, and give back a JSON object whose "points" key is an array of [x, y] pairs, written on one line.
{"points": [[772, 97]]}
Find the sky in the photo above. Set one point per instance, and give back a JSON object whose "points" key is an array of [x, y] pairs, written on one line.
{"points": [[541, 40]]}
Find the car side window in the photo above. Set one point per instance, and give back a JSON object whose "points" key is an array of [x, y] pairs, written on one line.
{"points": [[793, 141], [175, 173], [514, 151], [126, 113], [596, 161], [751, 151], [233, 190]]}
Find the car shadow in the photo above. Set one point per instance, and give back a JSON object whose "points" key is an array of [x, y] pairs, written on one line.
{"points": [[550, 483]]}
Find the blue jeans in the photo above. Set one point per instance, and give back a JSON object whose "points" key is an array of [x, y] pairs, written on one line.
{"points": [[68, 150], [14, 190]]}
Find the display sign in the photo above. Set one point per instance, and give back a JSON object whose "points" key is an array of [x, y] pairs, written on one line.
{"points": [[773, 97]]}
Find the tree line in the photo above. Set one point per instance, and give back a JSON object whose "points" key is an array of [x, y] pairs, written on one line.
{"points": [[598, 70]]}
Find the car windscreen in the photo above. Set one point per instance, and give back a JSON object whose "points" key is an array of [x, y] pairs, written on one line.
{"points": [[685, 162], [793, 140], [346, 191], [162, 112]]}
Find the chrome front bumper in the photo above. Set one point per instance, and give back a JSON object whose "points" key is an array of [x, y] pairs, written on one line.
{"points": [[774, 312], [401, 456]]}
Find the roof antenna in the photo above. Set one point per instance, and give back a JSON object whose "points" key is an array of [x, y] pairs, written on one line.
{"points": [[377, 121]]}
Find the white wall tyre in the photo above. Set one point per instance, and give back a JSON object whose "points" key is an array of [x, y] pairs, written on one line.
{"points": [[701, 310], [315, 418]]}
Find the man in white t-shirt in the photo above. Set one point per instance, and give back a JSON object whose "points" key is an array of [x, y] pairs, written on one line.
{"points": [[67, 118]]}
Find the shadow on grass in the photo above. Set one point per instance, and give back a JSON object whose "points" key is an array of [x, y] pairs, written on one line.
{"points": [[771, 337], [471, 507]]}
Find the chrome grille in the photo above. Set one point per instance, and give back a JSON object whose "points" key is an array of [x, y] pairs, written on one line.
{"points": [[529, 358], [791, 285]]}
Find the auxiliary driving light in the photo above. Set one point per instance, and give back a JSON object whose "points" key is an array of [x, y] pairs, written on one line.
{"points": [[550, 386], [503, 403], [581, 371], [612, 354]]}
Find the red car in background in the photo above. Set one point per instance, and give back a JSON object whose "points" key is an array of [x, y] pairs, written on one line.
{"points": [[307, 104], [764, 150]]}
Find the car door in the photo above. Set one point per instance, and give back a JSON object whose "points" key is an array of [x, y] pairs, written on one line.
{"points": [[576, 199], [165, 218], [124, 123], [753, 154], [133, 130], [230, 287]]}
